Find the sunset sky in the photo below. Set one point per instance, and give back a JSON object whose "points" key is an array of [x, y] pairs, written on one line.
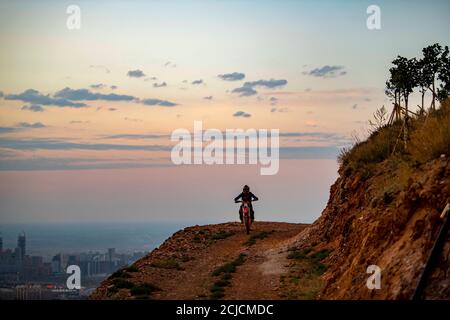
{"points": [[86, 115]]}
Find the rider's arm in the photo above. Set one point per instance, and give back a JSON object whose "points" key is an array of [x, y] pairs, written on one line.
{"points": [[254, 198], [238, 197]]}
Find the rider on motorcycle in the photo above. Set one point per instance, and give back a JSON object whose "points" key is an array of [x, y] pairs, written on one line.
{"points": [[246, 196]]}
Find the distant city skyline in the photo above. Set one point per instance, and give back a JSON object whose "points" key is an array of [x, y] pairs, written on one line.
{"points": [[86, 115]]}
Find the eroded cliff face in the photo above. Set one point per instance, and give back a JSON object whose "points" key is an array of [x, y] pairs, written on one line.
{"points": [[390, 220]]}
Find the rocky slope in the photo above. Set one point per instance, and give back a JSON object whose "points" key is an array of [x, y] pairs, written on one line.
{"points": [[390, 220], [185, 265]]}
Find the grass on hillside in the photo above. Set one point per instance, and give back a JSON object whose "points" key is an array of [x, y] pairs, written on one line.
{"points": [[218, 288], [429, 137]]}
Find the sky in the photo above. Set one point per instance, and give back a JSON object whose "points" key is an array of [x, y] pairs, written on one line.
{"points": [[86, 114]]}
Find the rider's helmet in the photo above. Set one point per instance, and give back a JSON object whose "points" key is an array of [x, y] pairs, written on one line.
{"points": [[246, 188]]}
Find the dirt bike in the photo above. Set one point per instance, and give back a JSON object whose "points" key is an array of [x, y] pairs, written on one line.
{"points": [[246, 215]]}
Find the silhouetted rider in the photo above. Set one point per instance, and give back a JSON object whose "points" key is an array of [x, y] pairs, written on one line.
{"points": [[247, 196]]}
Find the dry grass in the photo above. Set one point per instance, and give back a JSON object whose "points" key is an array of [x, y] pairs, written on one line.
{"points": [[429, 138], [432, 135]]}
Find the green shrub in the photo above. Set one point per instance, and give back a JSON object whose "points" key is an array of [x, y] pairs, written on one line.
{"points": [[230, 267], [257, 236], [120, 283], [222, 235], [131, 268], [143, 289], [121, 273], [169, 263]]}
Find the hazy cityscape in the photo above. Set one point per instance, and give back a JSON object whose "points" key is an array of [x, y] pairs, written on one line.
{"points": [[35, 277]]}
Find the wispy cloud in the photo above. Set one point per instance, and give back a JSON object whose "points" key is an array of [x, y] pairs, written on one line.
{"points": [[159, 85], [197, 82], [85, 94], [55, 144], [136, 73], [136, 136], [245, 91], [326, 71], [208, 98], [158, 102], [272, 83], [234, 76], [170, 64], [34, 125], [242, 114], [33, 108], [100, 67], [248, 88], [97, 86], [34, 97], [7, 129]]}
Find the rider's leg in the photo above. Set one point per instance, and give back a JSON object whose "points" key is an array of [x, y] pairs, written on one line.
{"points": [[240, 213], [252, 213]]}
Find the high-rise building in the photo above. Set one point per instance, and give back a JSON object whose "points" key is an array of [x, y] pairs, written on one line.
{"points": [[111, 254], [21, 244], [1, 244], [56, 263]]}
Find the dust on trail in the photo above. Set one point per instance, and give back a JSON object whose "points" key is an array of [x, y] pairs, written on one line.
{"points": [[257, 278]]}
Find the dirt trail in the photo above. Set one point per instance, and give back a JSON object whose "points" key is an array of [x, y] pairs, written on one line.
{"points": [[183, 265]]}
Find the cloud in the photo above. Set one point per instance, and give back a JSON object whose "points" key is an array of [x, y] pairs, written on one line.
{"points": [[112, 109], [208, 98], [355, 106], [97, 86], [248, 88], [136, 136], [242, 114], [151, 79], [197, 82], [245, 91], [113, 87], [1, 94], [158, 102], [85, 94], [279, 109], [33, 107], [136, 73], [331, 138], [35, 125], [100, 67], [34, 97], [170, 64], [159, 85], [311, 123], [78, 122], [326, 72], [235, 76], [272, 83], [273, 101], [59, 163], [55, 144], [132, 119], [7, 129], [326, 152]]}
